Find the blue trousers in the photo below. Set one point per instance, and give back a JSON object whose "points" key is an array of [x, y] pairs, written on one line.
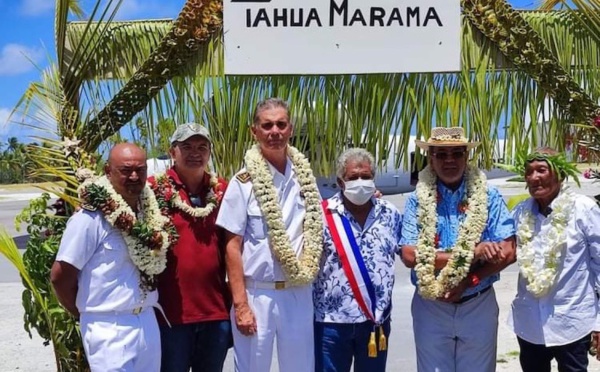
{"points": [[199, 346], [336, 344], [572, 357]]}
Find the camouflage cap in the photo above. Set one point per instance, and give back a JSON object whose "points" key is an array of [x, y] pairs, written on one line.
{"points": [[185, 131]]}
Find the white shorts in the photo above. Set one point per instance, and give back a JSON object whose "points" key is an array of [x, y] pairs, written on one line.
{"points": [[123, 342]]}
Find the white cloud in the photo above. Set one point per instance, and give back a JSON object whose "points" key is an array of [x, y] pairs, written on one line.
{"points": [[36, 7], [16, 59]]}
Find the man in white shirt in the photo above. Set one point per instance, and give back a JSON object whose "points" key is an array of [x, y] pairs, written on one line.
{"points": [[272, 216], [558, 250], [109, 281]]}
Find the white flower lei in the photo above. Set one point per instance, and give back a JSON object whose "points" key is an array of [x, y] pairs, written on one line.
{"points": [[298, 271], [150, 262], [198, 212], [469, 233], [541, 271]]}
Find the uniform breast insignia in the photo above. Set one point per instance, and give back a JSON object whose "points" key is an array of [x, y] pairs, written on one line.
{"points": [[243, 177], [88, 207]]}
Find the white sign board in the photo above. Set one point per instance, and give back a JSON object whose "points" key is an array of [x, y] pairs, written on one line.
{"points": [[341, 36]]}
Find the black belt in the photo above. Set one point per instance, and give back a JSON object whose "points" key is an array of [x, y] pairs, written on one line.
{"points": [[472, 296]]}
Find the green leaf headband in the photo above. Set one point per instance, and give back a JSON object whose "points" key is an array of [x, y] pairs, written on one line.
{"points": [[557, 163]]}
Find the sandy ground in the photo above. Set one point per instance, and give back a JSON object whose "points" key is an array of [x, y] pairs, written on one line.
{"points": [[19, 353]]}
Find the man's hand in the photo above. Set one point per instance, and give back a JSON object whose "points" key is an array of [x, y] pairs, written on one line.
{"points": [[595, 343], [489, 251], [455, 293], [245, 320]]}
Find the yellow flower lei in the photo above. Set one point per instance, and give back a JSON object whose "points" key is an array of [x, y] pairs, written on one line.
{"points": [[469, 233], [298, 271]]}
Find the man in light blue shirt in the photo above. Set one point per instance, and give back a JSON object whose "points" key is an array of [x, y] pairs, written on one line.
{"points": [[558, 249], [457, 235]]}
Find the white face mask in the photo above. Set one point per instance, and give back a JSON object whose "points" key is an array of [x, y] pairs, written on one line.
{"points": [[359, 191]]}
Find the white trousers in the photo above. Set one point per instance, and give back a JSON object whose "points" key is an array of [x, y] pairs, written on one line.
{"points": [[456, 338], [285, 314], [121, 342]]}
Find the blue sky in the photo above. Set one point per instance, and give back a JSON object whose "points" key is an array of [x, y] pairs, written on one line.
{"points": [[27, 44]]}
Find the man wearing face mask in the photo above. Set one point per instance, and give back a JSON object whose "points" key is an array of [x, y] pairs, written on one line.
{"points": [[353, 292]]}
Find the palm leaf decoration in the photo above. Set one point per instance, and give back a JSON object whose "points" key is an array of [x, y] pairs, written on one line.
{"points": [[164, 72], [518, 41], [586, 16], [195, 25], [488, 97]]}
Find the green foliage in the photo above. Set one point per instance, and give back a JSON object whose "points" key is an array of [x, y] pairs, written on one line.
{"points": [[97, 195], [516, 199], [42, 309], [15, 166], [558, 164]]}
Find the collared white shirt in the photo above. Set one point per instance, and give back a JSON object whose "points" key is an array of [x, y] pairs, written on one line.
{"points": [[378, 242], [108, 280], [240, 214], [570, 310]]}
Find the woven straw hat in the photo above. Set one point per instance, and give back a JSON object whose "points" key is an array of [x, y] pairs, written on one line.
{"points": [[447, 137]]}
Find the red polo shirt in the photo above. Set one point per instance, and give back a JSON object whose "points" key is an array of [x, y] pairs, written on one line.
{"points": [[192, 288]]}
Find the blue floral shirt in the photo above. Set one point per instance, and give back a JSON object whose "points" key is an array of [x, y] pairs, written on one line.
{"points": [[500, 224], [379, 243]]}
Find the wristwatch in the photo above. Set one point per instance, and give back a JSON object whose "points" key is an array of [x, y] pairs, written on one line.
{"points": [[473, 280]]}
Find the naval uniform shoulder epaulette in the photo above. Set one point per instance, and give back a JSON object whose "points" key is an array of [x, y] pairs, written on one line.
{"points": [[243, 177]]}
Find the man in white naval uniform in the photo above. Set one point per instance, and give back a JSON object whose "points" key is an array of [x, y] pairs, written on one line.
{"points": [[266, 303], [95, 279]]}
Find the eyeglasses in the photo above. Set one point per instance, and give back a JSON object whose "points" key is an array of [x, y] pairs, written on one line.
{"points": [[449, 155], [195, 201]]}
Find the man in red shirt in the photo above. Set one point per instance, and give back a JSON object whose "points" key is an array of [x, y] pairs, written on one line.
{"points": [[192, 289]]}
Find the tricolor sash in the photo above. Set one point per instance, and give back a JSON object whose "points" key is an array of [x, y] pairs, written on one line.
{"points": [[352, 261]]}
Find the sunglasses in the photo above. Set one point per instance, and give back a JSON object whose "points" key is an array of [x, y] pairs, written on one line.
{"points": [[449, 155], [195, 201]]}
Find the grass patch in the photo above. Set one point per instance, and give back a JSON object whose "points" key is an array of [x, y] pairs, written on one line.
{"points": [[504, 358]]}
